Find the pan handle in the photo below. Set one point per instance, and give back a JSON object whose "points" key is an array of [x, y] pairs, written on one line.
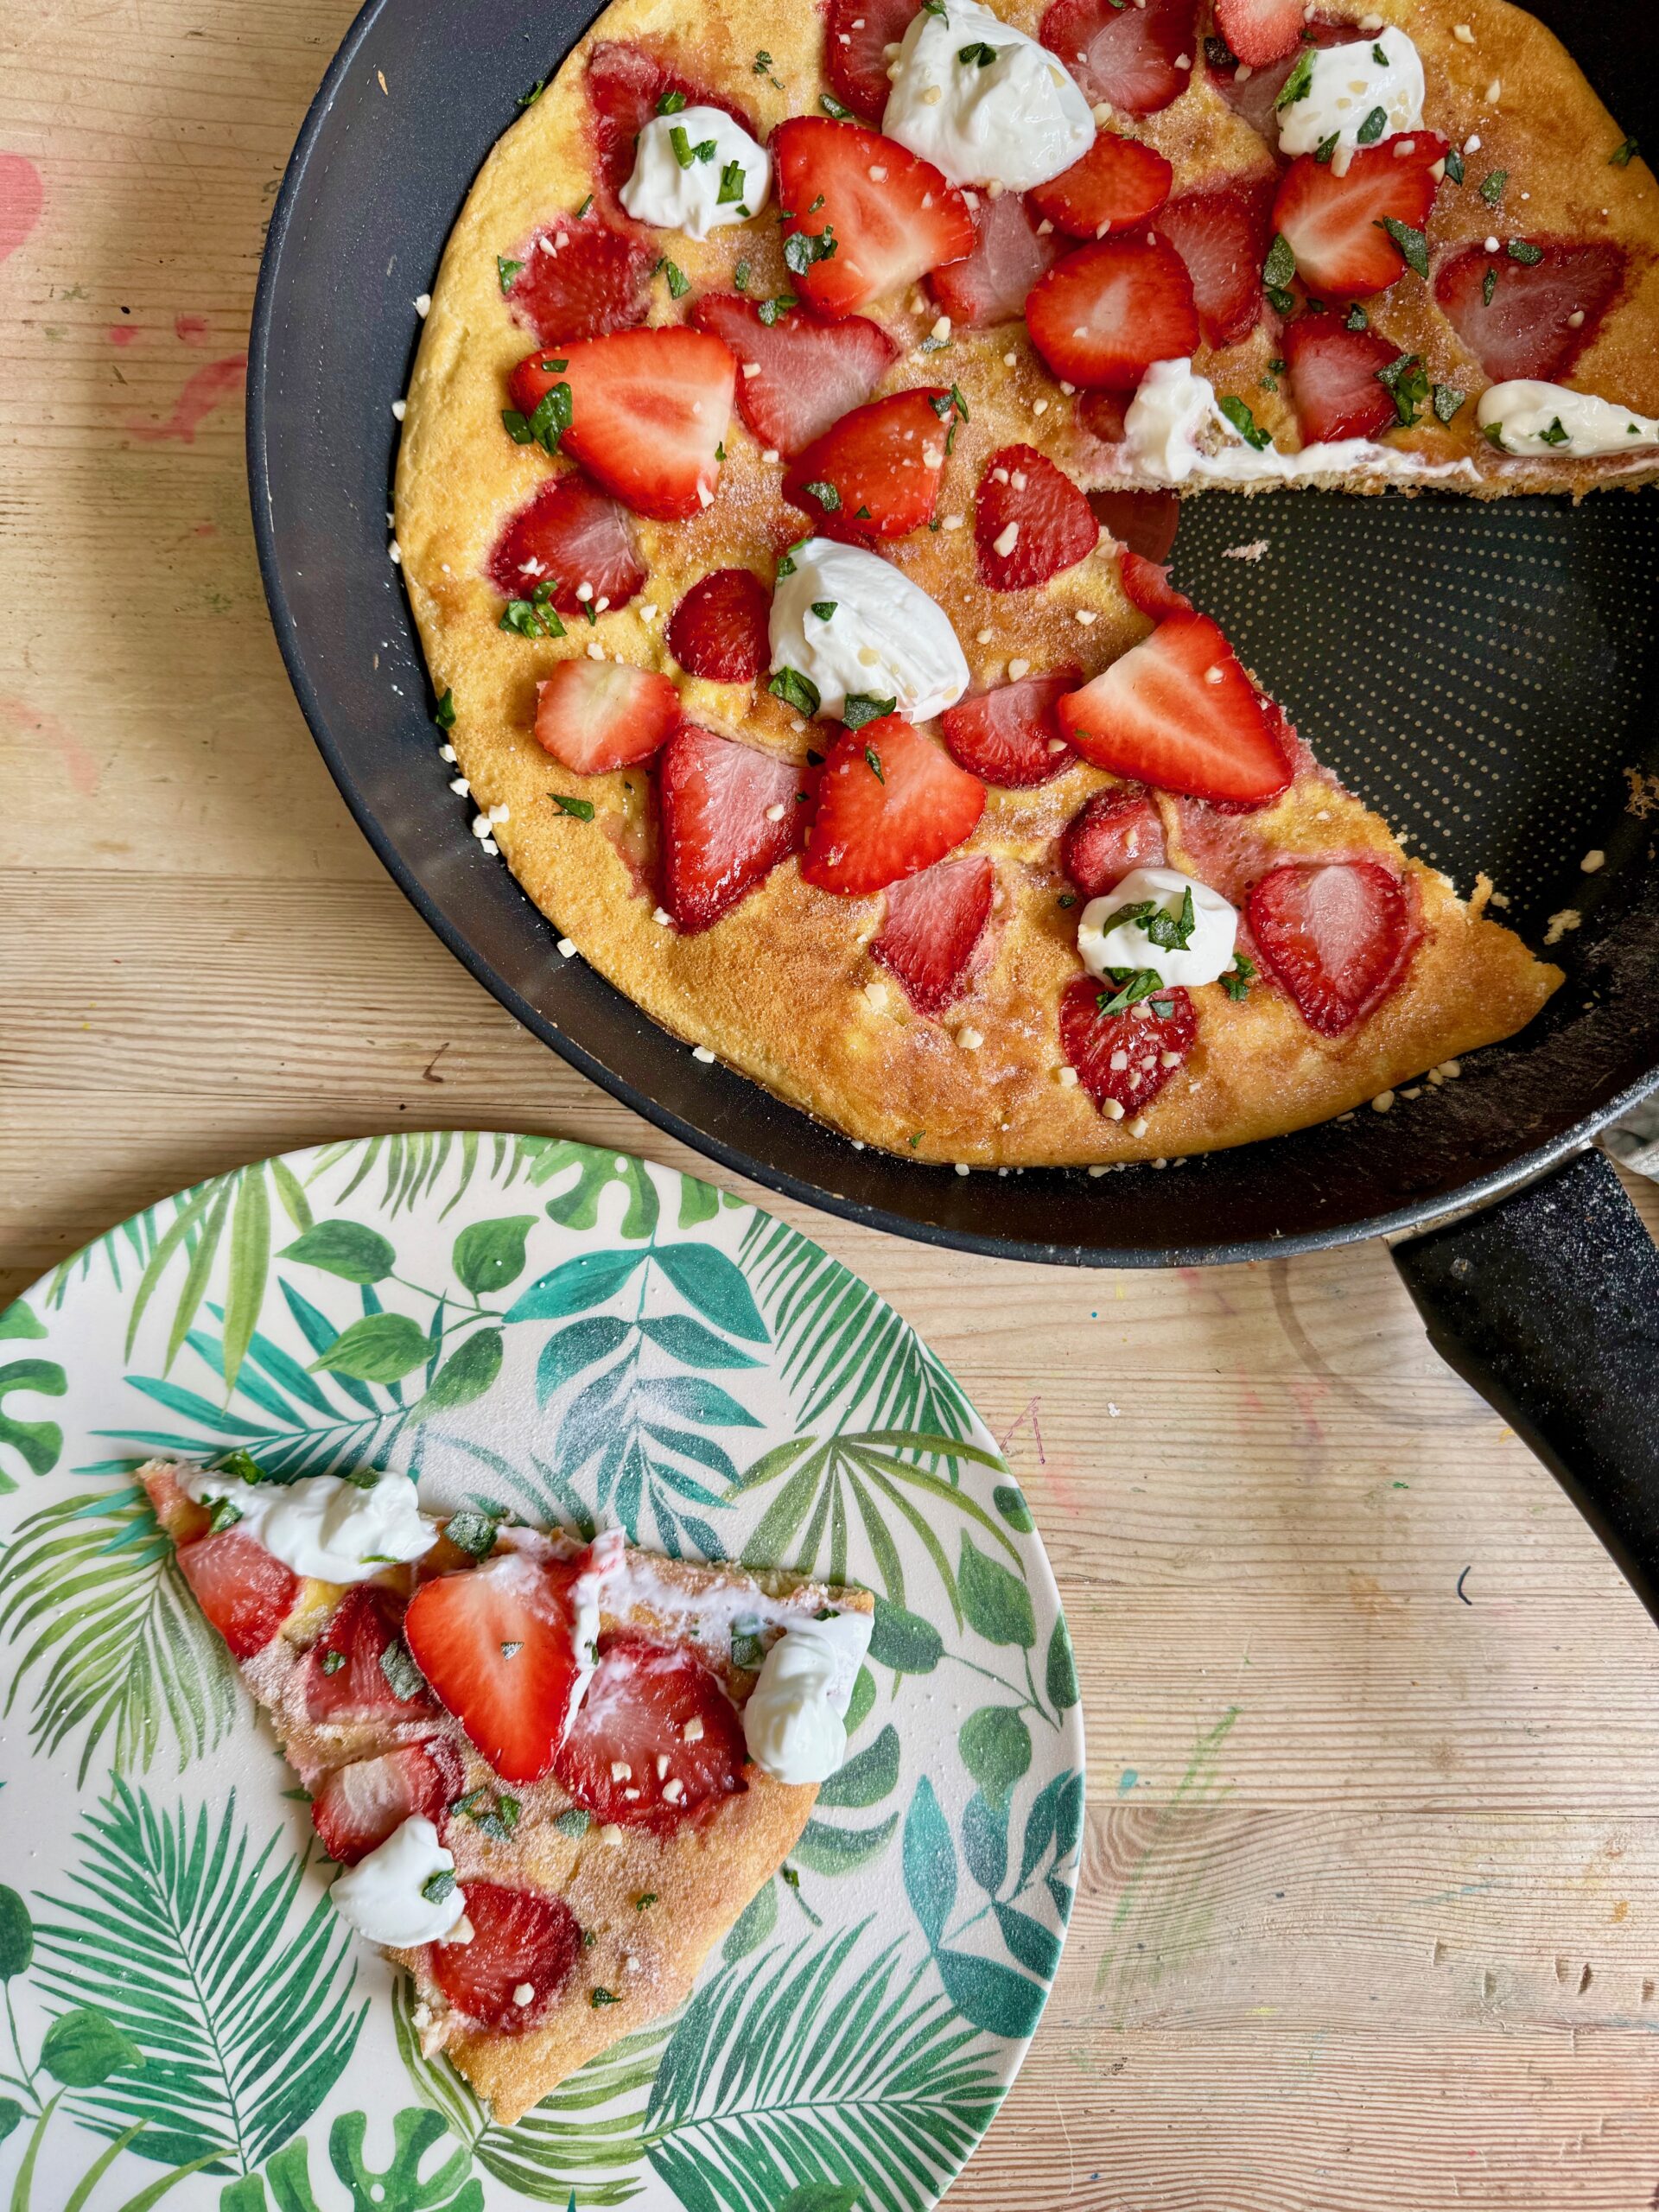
{"points": [[1548, 1304]]}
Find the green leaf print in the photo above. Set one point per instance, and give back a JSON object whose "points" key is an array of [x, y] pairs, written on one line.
{"points": [[348, 1248], [83, 2048], [397, 2187], [930, 1862], [489, 1254], [905, 1641], [16, 1320], [705, 1278], [17, 1936], [996, 1746], [380, 1348], [1062, 1672], [578, 1206], [467, 1374], [824, 1849], [752, 1925], [868, 1778], [1010, 1502], [575, 1286], [822, 2196], [37, 1443], [996, 1602], [693, 1345]]}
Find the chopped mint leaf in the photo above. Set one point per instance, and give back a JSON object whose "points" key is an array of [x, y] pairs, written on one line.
{"points": [[546, 425], [1491, 186], [761, 66], [679, 282], [332, 1661], [1296, 85], [823, 608], [574, 1823], [680, 141], [444, 715], [1282, 303], [1356, 318], [1405, 381], [786, 559], [1524, 251], [400, 1670], [731, 184], [670, 103], [1454, 167], [863, 514], [1236, 981], [644, 1903], [244, 1466], [790, 1876], [1133, 984], [1621, 156], [774, 309], [529, 98], [1243, 422], [795, 690], [1447, 400], [979, 54], [740, 276], [872, 761], [1373, 127], [1280, 264], [803, 248], [1170, 933], [438, 1886], [706, 150], [825, 494], [933, 8], [534, 617], [747, 1651], [861, 708], [1488, 286], [1379, 57], [1493, 434], [226, 1515], [914, 1141], [1556, 435], [582, 809], [833, 108], [585, 205], [1325, 147], [1412, 243], [598, 1997], [511, 1646], [506, 270]]}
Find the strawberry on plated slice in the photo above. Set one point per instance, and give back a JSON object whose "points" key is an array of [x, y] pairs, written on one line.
{"points": [[346, 1675], [648, 415], [870, 216], [1105, 313], [498, 1644], [594, 715], [1112, 832], [1030, 520], [730, 814], [246, 1590], [1333, 378], [796, 375], [1102, 414], [571, 534], [890, 803], [1526, 328], [355, 1807], [522, 1939], [934, 937], [1252, 91], [856, 36], [183, 1519], [1146, 585], [876, 473], [1128, 56], [1142, 522], [626, 87], [1221, 233], [1259, 31], [1117, 183], [1336, 227], [656, 1740], [1178, 711], [1337, 934], [1010, 252], [719, 630], [581, 279], [1124, 1060], [1012, 736]]}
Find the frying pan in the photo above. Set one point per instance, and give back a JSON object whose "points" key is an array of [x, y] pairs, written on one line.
{"points": [[1488, 675]]}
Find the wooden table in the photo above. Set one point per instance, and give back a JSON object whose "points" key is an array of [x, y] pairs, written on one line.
{"points": [[1368, 1909]]}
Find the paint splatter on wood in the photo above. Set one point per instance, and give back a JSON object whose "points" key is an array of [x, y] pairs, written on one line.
{"points": [[206, 391], [23, 197], [22, 720]]}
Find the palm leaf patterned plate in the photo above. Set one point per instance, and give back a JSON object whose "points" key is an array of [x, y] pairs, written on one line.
{"points": [[587, 1339]]}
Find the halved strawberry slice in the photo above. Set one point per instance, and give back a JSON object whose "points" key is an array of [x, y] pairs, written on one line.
{"points": [[1337, 934], [1259, 31], [625, 83], [343, 1675], [521, 1939], [498, 1644], [1333, 378], [934, 936], [1146, 585], [1118, 183], [730, 814], [1127, 1057], [795, 375], [1527, 327], [1178, 711], [1010, 253], [597, 280], [1334, 224], [594, 715], [355, 1808], [719, 630], [890, 803], [628, 1756], [1125, 54], [1102, 414], [1030, 520], [570, 534], [246, 1590], [877, 472], [1112, 832], [856, 36], [870, 215], [1253, 92], [648, 415], [1011, 735], [184, 1520], [1106, 313], [1144, 522], [1221, 233]]}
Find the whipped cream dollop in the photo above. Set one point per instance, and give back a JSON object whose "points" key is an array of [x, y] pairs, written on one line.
{"points": [[397, 1895], [795, 1722], [1532, 417], [696, 172], [1105, 941], [322, 1525], [882, 638], [1346, 85], [983, 102]]}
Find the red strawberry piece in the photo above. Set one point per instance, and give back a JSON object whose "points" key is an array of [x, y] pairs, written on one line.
{"points": [[1030, 520], [355, 1807], [1333, 225], [1147, 585], [795, 375], [1010, 737], [1178, 711], [1333, 378], [856, 36], [1254, 93], [890, 803], [625, 85], [1259, 31], [594, 715], [1144, 522], [1527, 328], [719, 630], [498, 1644], [1222, 235], [876, 473], [1106, 313], [184, 1520], [521, 1938], [1126, 56], [246, 1591], [934, 934], [599, 280], [719, 834], [1127, 1057], [1010, 253], [1116, 184], [633, 1717], [1102, 414], [648, 414], [886, 230], [1111, 833], [572, 533], [343, 1677], [1335, 933]]}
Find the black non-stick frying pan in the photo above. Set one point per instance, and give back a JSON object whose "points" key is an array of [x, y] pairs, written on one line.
{"points": [[1487, 674]]}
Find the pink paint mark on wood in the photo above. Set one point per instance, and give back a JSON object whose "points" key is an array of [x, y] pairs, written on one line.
{"points": [[190, 329], [205, 391], [207, 529], [23, 196], [123, 334], [1032, 1413], [22, 720]]}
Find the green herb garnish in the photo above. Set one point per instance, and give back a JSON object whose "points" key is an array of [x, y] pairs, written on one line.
{"points": [[1447, 400], [244, 1466], [529, 98], [1238, 980], [978, 54], [761, 66], [1405, 381], [1413, 245], [795, 690], [644, 1903], [332, 1661], [1556, 435], [833, 108], [1488, 286], [534, 617], [583, 210], [786, 559], [506, 270], [1238, 414], [1356, 318], [582, 809], [405, 1677], [1373, 127], [731, 184], [1493, 434], [547, 423], [803, 248], [1326, 147], [670, 103], [226, 1515], [574, 1823], [1524, 251], [1621, 156], [873, 761], [1133, 984], [598, 1997], [1490, 186], [1454, 167], [1295, 86], [823, 608], [444, 714], [774, 309], [825, 494], [790, 1876], [861, 708], [438, 1886], [1280, 264], [1379, 57], [748, 1651]]}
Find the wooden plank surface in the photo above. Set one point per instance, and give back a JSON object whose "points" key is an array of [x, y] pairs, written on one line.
{"points": [[1370, 1907]]}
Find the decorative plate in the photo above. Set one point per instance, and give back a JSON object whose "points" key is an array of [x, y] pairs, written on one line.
{"points": [[588, 1338]]}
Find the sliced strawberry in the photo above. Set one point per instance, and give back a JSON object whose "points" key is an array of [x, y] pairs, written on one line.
{"points": [[1112, 832], [179, 1514], [571, 534], [1253, 92], [1125, 54], [594, 715], [498, 1644], [1178, 711], [890, 803], [355, 1807], [343, 1675], [877, 472], [625, 84], [1127, 1057], [934, 935], [1012, 736], [598, 280], [730, 814], [1333, 225], [1030, 520], [1102, 414], [1117, 184], [1527, 328], [246, 1591], [1144, 522], [719, 630], [1010, 253], [522, 1939], [1147, 585], [648, 415], [1106, 313], [627, 1758], [1221, 235], [856, 36], [1259, 31], [795, 375], [882, 231], [1333, 378], [1335, 933]]}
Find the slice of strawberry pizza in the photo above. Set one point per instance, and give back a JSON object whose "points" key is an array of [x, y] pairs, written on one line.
{"points": [[554, 1773]]}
